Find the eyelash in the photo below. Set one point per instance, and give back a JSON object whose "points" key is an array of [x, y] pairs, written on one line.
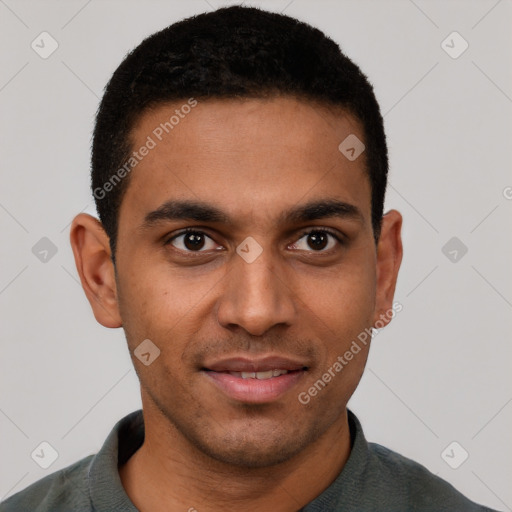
{"points": [[306, 232]]}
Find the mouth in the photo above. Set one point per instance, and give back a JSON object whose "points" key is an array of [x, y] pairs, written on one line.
{"points": [[253, 381], [264, 375]]}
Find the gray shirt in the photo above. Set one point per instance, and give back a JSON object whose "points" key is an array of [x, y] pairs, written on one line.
{"points": [[373, 479]]}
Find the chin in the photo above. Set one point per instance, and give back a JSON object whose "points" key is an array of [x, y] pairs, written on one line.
{"points": [[247, 440], [250, 455], [251, 445]]}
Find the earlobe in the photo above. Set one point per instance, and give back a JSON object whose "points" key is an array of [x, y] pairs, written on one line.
{"points": [[389, 257], [91, 250]]}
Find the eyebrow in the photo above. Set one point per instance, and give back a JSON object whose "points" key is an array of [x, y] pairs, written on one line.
{"points": [[205, 212]]}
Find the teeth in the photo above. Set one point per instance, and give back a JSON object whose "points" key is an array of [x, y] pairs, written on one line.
{"points": [[259, 375], [265, 375]]}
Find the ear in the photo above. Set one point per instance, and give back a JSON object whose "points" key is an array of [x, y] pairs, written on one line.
{"points": [[91, 248], [389, 257]]}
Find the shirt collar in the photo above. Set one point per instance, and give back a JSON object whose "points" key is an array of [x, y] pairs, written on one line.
{"points": [[107, 492], [350, 476]]}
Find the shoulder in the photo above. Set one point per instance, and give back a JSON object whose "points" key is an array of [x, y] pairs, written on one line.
{"points": [[411, 483], [377, 478], [62, 491]]}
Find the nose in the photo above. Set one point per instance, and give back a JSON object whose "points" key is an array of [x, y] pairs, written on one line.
{"points": [[256, 295]]}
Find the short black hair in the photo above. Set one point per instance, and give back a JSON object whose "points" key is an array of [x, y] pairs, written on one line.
{"points": [[232, 52]]}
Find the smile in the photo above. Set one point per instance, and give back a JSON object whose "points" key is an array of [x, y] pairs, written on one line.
{"points": [[255, 387], [259, 375]]}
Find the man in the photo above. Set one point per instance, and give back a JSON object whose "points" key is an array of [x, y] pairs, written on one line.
{"points": [[239, 169]]}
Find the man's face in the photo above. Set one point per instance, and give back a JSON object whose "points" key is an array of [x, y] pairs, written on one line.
{"points": [[208, 306]]}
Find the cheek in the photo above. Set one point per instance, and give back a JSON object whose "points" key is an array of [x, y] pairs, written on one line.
{"points": [[159, 302], [345, 298], [341, 311]]}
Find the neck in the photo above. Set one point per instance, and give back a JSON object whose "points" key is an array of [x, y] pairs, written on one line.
{"points": [[181, 477]]}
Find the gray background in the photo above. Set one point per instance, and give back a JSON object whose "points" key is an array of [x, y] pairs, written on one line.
{"points": [[440, 372]]}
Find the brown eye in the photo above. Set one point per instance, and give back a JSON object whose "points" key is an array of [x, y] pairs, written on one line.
{"points": [[191, 241], [317, 240]]}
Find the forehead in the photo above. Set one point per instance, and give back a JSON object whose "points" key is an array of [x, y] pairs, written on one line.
{"points": [[251, 157]]}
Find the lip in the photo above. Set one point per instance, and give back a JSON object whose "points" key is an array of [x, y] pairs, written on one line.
{"points": [[244, 364], [254, 390]]}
